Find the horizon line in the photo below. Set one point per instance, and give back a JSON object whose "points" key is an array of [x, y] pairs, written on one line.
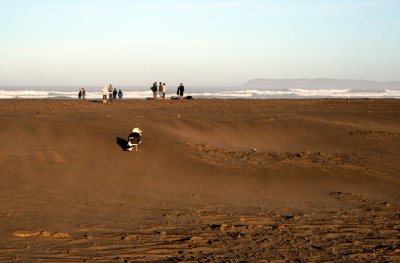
{"points": [[208, 85]]}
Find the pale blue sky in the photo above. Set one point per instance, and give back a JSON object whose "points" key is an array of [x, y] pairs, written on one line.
{"points": [[200, 43]]}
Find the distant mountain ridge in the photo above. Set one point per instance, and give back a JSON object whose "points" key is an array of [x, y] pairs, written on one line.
{"points": [[321, 83]]}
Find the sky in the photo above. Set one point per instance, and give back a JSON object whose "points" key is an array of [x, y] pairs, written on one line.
{"points": [[197, 42]]}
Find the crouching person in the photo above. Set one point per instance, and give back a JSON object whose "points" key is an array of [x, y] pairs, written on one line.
{"points": [[134, 139]]}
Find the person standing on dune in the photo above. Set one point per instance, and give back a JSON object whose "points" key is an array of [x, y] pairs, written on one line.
{"points": [[105, 93], [164, 90], [154, 90], [83, 93], [180, 91], [110, 92], [160, 89], [115, 92]]}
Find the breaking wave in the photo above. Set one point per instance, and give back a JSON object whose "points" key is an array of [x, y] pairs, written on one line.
{"points": [[294, 93]]}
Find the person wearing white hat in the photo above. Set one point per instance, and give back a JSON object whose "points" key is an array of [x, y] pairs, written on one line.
{"points": [[134, 139]]}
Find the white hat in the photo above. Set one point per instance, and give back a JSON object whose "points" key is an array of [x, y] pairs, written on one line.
{"points": [[137, 130]]}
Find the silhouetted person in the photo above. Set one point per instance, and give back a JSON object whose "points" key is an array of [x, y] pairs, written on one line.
{"points": [[180, 91], [154, 90]]}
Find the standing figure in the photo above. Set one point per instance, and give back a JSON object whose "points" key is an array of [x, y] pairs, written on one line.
{"points": [[120, 94], [180, 91], [164, 90], [115, 92], [160, 90], [80, 94], [105, 93], [110, 92], [83, 93], [154, 90]]}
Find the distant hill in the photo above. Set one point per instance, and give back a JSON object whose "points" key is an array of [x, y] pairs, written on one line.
{"points": [[320, 83]]}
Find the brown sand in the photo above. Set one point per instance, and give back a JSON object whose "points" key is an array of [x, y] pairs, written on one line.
{"points": [[214, 180]]}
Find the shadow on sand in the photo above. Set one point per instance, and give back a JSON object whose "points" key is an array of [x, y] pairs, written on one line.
{"points": [[122, 143]]}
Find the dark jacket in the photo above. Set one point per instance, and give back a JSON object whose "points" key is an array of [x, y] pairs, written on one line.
{"points": [[180, 90], [135, 138]]}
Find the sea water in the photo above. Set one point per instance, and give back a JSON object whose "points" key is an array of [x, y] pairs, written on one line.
{"points": [[199, 92]]}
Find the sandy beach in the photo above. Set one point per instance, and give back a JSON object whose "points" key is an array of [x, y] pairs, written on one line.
{"points": [[213, 180]]}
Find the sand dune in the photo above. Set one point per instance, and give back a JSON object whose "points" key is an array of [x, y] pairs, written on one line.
{"points": [[214, 180]]}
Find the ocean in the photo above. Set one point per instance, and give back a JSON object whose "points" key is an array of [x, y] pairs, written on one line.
{"points": [[200, 92]]}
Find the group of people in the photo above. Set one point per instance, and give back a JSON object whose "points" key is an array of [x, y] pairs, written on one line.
{"points": [[158, 89], [161, 88], [111, 92], [82, 93]]}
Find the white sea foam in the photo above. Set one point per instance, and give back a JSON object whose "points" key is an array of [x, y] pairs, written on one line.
{"points": [[207, 93], [301, 93], [345, 93]]}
